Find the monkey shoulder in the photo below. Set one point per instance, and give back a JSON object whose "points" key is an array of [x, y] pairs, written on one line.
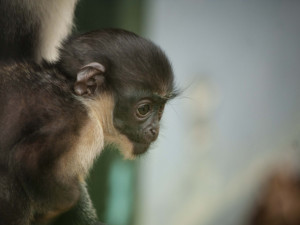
{"points": [[37, 86], [40, 121], [36, 100]]}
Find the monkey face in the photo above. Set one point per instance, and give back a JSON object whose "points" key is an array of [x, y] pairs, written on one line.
{"points": [[138, 118]]}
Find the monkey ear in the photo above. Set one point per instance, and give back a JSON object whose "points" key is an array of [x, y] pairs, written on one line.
{"points": [[89, 78]]}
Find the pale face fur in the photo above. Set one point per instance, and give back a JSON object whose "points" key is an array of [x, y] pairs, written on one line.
{"points": [[101, 115], [94, 136]]}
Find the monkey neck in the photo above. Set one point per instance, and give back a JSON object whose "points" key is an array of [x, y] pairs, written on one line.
{"points": [[100, 111], [91, 139]]}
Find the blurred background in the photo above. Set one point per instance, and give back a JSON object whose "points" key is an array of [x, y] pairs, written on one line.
{"points": [[236, 124]]}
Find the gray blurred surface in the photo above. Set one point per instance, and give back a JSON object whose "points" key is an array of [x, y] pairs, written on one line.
{"points": [[240, 64]]}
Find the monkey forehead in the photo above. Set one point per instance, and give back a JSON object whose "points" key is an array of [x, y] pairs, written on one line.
{"points": [[150, 80], [134, 95]]}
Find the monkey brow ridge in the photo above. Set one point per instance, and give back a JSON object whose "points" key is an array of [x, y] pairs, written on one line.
{"points": [[165, 97]]}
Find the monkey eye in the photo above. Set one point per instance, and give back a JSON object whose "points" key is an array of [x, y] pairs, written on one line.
{"points": [[143, 110]]}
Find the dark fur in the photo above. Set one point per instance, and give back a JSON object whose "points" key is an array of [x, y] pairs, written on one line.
{"points": [[130, 57], [37, 110], [17, 39], [40, 118]]}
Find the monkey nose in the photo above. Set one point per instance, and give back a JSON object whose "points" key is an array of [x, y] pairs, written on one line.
{"points": [[152, 134]]}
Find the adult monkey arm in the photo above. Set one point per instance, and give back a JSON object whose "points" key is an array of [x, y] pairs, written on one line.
{"points": [[34, 29]]}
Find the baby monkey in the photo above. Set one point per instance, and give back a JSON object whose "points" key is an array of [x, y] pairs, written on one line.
{"points": [[109, 87]]}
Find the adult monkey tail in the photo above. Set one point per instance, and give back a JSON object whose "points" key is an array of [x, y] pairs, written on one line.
{"points": [[34, 30]]}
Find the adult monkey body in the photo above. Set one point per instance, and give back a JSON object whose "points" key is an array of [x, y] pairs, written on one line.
{"points": [[34, 29], [109, 87]]}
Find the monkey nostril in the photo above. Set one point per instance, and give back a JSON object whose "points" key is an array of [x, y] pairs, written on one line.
{"points": [[151, 134], [154, 133]]}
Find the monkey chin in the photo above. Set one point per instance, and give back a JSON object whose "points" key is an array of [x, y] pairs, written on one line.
{"points": [[132, 150], [129, 149], [140, 148]]}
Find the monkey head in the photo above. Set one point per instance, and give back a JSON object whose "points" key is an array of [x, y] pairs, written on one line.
{"points": [[125, 80]]}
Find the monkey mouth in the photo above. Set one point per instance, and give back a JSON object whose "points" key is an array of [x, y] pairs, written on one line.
{"points": [[140, 148]]}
